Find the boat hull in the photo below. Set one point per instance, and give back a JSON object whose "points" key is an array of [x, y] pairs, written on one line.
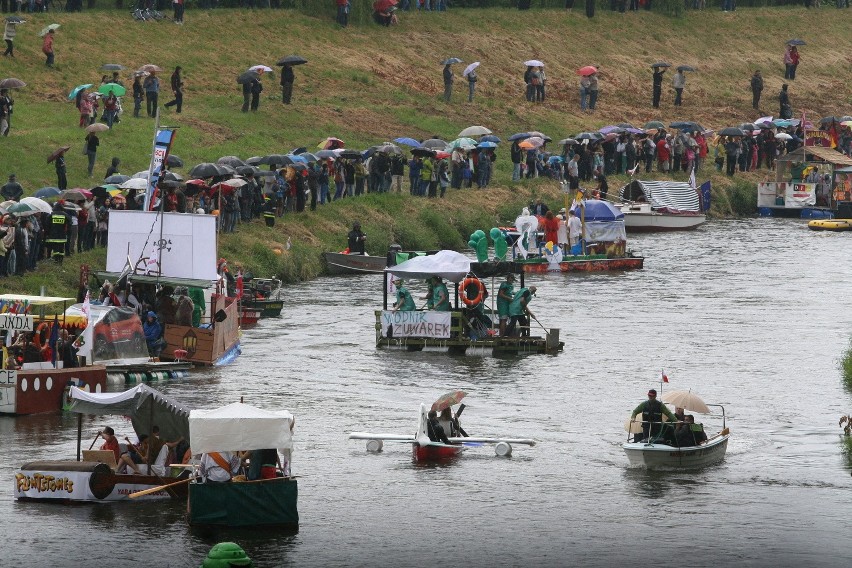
{"points": [[265, 308], [217, 345], [73, 481], [340, 263], [249, 317], [664, 456], [588, 265], [262, 503], [435, 452], [659, 222], [34, 391]]}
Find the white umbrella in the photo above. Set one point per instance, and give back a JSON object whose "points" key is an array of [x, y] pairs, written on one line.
{"points": [[97, 127], [533, 63], [141, 175], [135, 183], [44, 31], [39, 204], [686, 400], [633, 426], [470, 68], [474, 131], [260, 68], [783, 136]]}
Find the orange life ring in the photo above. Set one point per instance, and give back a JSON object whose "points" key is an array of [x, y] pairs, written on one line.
{"points": [[37, 334], [476, 300]]}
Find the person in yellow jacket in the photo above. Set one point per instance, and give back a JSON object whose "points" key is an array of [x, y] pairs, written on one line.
{"points": [[426, 175], [719, 153]]}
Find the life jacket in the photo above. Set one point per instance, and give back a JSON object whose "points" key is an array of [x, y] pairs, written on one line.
{"points": [[653, 411]]}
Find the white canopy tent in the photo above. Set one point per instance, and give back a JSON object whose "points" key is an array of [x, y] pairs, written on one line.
{"points": [[240, 426], [447, 264]]}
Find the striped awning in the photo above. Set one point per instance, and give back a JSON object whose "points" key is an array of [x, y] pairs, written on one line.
{"points": [[673, 196]]}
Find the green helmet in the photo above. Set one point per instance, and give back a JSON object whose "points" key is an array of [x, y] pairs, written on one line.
{"points": [[226, 554]]}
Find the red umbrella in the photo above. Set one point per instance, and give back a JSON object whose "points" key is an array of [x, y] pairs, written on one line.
{"points": [[331, 143], [448, 400], [383, 5], [58, 152], [586, 71], [442, 155]]}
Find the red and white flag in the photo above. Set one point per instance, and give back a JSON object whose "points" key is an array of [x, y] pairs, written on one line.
{"points": [[663, 376]]}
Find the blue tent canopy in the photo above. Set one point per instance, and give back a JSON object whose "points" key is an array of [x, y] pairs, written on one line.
{"points": [[597, 210]]}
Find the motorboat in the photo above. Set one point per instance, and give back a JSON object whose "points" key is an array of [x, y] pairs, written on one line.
{"points": [[653, 206], [339, 263], [643, 218], [645, 449]]}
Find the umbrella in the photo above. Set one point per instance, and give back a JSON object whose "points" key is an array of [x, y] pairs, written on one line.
{"points": [[633, 425], [519, 136], [232, 161], [104, 190], [350, 155], [685, 68], [796, 42], [434, 144], [326, 154], [173, 161], [748, 126], [685, 125], [22, 209], [247, 77], [661, 64], [586, 71], [423, 152], [12, 83], [545, 137], [15, 20], [116, 179], [487, 145], [47, 192], [235, 183], [292, 60], [298, 159], [39, 204], [45, 31], [731, 131], [271, 159], [172, 176], [205, 170], [150, 68], [308, 157], [118, 198], [448, 400], [846, 123], [625, 125], [97, 127], [76, 90], [613, 128], [441, 155], [532, 142], [470, 68], [588, 136], [68, 206], [654, 124], [408, 142], [634, 131], [597, 210], [451, 61], [245, 171], [783, 136], [565, 141], [58, 152], [260, 68], [143, 175], [556, 160], [117, 90], [490, 138], [474, 131], [533, 63], [686, 400], [112, 67], [388, 149], [135, 183], [77, 194], [254, 160], [828, 120], [331, 143], [462, 142]]}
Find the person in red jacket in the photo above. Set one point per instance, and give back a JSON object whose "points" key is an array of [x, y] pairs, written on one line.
{"points": [[663, 153], [47, 47]]}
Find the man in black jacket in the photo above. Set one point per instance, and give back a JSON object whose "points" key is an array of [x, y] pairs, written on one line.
{"points": [[756, 89], [287, 78], [517, 157], [658, 85]]}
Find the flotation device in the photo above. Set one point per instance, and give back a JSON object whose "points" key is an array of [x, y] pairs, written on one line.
{"points": [[830, 225], [480, 287], [37, 334]]}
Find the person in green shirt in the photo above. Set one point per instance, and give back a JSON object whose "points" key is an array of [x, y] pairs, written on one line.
{"points": [[440, 295], [505, 295], [518, 311], [652, 411], [404, 301]]}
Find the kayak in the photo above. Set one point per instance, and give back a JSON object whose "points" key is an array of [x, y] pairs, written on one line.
{"points": [[830, 225]]}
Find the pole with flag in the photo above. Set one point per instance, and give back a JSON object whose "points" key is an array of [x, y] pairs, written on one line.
{"points": [[163, 139], [54, 338]]}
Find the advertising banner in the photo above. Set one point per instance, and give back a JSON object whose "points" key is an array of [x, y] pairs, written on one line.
{"points": [[416, 324]]}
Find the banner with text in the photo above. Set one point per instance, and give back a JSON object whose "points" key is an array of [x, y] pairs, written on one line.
{"points": [[162, 144], [416, 324], [16, 322]]}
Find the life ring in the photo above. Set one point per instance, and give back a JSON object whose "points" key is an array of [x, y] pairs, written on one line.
{"points": [[476, 300], [37, 334]]}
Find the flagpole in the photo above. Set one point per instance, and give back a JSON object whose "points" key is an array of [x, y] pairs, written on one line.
{"points": [[150, 194]]}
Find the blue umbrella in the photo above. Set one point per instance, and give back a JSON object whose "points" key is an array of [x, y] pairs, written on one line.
{"points": [[519, 136], [297, 158], [77, 90], [299, 150], [487, 145], [47, 192], [323, 154], [407, 142], [597, 210], [490, 138], [556, 160]]}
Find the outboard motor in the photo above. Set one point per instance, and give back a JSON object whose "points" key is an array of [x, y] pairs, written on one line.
{"points": [[392, 250]]}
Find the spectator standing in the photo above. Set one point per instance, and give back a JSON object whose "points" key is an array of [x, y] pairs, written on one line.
{"points": [[287, 79], [342, 14], [756, 89], [92, 143], [152, 93], [471, 84], [256, 89], [61, 178], [138, 94], [530, 88], [794, 57], [679, 82], [516, 154], [658, 85], [177, 90], [6, 105], [47, 47], [448, 82], [788, 62], [584, 92], [593, 91], [785, 111], [178, 8], [12, 191], [9, 37]]}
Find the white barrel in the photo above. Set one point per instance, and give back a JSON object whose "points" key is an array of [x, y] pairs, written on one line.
{"points": [[503, 449], [374, 446]]}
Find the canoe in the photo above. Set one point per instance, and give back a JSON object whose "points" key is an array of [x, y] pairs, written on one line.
{"points": [[340, 263], [830, 225]]}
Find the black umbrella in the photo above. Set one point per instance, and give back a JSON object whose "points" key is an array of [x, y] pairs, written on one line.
{"points": [[204, 170], [247, 77], [247, 170], [423, 152], [519, 136], [434, 144], [254, 160], [171, 176], [232, 161], [625, 125], [273, 159], [661, 64], [654, 124], [174, 161], [265, 173], [117, 179], [829, 119], [352, 154], [15, 20], [685, 68], [100, 191], [12, 83], [451, 61], [297, 151], [112, 67], [748, 126], [292, 60], [796, 42], [731, 131], [308, 156]]}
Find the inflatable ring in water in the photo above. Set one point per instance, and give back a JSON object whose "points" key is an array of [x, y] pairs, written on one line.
{"points": [[480, 291], [830, 225]]}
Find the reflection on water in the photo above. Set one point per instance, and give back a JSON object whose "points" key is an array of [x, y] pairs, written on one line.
{"points": [[739, 311]]}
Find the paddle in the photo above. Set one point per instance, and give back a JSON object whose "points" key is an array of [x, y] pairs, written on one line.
{"points": [[158, 488], [538, 322], [724, 432], [98, 435]]}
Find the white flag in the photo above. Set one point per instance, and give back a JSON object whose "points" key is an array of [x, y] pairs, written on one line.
{"points": [[692, 179]]}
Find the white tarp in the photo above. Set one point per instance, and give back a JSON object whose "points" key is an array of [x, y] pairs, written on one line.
{"points": [[447, 264], [605, 231], [239, 426], [187, 249], [671, 195], [416, 324]]}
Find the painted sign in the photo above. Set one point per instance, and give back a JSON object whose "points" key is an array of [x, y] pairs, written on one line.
{"points": [[818, 138], [15, 322], [785, 194], [416, 324], [8, 377], [52, 484]]}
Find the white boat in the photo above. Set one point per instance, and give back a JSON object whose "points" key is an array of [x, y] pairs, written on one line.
{"points": [[658, 452], [652, 206]]}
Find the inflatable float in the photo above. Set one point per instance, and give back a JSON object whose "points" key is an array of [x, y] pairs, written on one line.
{"points": [[830, 225]]}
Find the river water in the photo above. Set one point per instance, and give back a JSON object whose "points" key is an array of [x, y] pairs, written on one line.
{"points": [[751, 314]]}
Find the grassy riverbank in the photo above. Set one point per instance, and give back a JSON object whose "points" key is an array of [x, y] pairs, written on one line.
{"points": [[367, 84]]}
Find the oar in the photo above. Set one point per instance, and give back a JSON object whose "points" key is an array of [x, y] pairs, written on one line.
{"points": [[98, 435], [538, 322], [158, 488], [724, 432]]}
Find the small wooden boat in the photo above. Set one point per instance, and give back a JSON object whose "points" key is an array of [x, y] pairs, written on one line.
{"points": [[587, 263], [341, 263]]}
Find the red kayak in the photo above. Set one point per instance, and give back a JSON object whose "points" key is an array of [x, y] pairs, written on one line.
{"points": [[435, 451]]}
